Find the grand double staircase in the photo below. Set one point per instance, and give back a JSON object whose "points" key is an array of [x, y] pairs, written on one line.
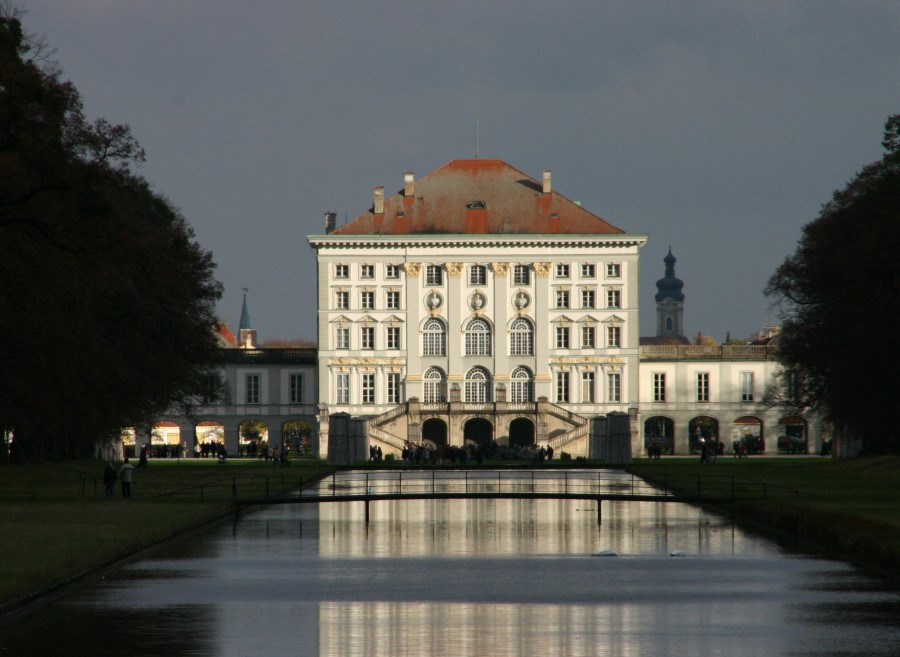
{"points": [[570, 426]]}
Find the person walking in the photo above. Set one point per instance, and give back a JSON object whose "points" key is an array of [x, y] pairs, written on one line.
{"points": [[126, 474], [109, 480]]}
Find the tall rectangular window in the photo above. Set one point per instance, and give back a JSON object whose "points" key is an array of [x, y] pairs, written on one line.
{"points": [[588, 337], [252, 391], [393, 337], [562, 298], [393, 387], [392, 300], [562, 386], [521, 275], [477, 275], [587, 387], [367, 337], [341, 300], [295, 388], [702, 386], [613, 336], [659, 386], [434, 275], [588, 299], [746, 386], [613, 298], [342, 388], [562, 337], [367, 300], [614, 387], [368, 388], [342, 338]]}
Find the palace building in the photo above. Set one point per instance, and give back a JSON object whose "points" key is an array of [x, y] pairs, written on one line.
{"points": [[477, 304]]}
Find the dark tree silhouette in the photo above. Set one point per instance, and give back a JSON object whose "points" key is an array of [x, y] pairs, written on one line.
{"points": [[107, 303], [840, 299]]}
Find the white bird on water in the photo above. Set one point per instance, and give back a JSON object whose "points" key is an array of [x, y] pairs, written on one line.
{"points": [[676, 553]]}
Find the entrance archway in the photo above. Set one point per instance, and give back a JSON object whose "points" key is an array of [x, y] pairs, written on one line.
{"points": [[660, 430], [478, 431], [297, 436], [254, 439], [209, 434], [165, 440], [748, 431], [521, 432], [702, 428], [434, 432], [792, 435]]}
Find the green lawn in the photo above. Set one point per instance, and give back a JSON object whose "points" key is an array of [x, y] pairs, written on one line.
{"points": [[56, 525]]}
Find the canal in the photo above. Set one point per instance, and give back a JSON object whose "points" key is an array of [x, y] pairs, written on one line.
{"points": [[471, 577]]}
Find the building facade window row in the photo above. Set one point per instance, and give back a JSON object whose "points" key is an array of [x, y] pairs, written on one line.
{"points": [[703, 387]]}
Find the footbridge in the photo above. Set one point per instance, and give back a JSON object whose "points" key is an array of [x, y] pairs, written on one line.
{"points": [[600, 485]]}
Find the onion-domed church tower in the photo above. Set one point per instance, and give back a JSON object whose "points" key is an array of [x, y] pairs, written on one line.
{"points": [[670, 303]]}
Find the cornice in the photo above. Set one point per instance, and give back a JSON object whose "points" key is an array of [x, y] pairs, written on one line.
{"points": [[395, 242]]}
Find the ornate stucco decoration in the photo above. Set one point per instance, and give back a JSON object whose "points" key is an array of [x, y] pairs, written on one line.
{"points": [[477, 302], [542, 269], [500, 268], [454, 269], [433, 301], [521, 301], [341, 364], [412, 268]]}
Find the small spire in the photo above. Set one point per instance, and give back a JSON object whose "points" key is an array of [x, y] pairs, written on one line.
{"points": [[245, 313]]}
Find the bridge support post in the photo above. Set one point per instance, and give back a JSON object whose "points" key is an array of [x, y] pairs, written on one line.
{"points": [[367, 511], [599, 511]]}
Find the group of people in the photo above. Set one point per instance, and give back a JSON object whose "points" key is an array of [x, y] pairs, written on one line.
{"points": [[415, 453], [125, 475]]}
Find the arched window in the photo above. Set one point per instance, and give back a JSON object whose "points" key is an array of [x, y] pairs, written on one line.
{"points": [[435, 386], [478, 338], [521, 338], [434, 338], [478, 383], [522, 385]]}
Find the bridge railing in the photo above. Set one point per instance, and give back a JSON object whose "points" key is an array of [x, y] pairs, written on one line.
{"points": [[607, 483]]}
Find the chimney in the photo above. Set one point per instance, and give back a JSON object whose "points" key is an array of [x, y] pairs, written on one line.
{"points": [[330, 222], [547, 187], [409, 185], [379, 200]]}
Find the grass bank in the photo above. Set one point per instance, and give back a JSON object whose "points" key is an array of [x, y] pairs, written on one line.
{"points": [[846, 509], [57, 527]]}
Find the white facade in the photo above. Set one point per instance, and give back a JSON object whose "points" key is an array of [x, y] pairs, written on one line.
{"points": [[717, 390], [478, 324]]}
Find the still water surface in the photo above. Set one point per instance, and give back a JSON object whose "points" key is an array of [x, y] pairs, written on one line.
{"points": [[487, 578]]}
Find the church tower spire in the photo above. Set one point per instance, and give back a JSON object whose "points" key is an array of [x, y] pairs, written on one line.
{"points": [[246, 334], [670, 302]]}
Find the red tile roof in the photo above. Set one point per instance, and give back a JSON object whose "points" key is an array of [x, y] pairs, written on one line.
{"points": [[478, 197]]}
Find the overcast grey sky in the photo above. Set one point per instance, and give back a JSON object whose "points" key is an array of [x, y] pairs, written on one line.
{"points": [[717, 127]]}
